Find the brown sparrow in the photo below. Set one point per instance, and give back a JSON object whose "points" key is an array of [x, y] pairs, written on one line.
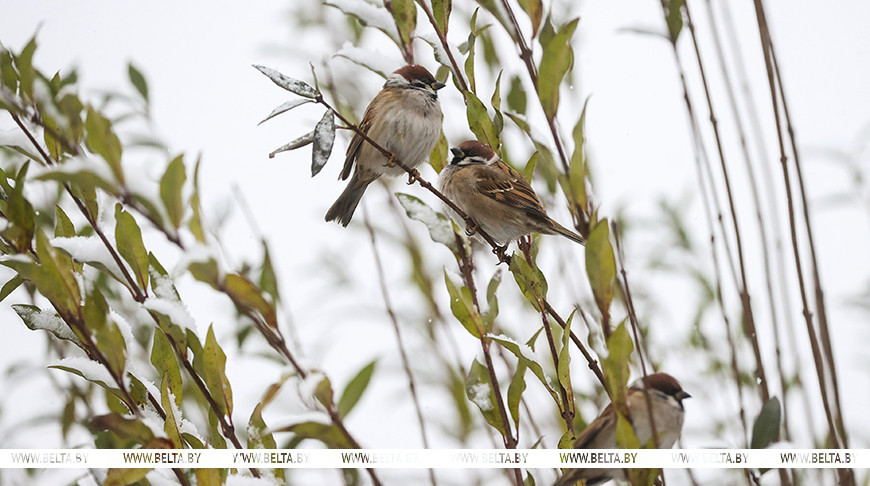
{"points": [[495, 195], [667, 397], [405, 119]]}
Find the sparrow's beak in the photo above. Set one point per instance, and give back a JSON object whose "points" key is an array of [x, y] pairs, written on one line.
{"points": [[438, 85], [680, 395], [456, 151]]}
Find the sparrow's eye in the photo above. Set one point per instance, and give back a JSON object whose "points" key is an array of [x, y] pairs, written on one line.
{"points": [[419, 85]]}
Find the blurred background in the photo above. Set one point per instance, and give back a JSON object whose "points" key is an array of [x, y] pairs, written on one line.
{"points": [[206, 101]]}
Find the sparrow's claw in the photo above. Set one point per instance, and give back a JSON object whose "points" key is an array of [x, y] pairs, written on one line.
{"points": [[391, 160], [500, 252], [413, 176], [471, 228]]}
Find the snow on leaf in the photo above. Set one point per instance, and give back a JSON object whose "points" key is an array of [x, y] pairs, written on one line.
{"points": [[293, 85], [440, 228], [89, 249], [283, 107], [295, 144], [86, 368], [369, 14], [174, 309], [367, 58], [35, 318], [324, 139], [480, 395]]}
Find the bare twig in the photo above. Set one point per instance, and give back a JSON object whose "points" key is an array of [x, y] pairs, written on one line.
{"points": [[406, 364]]}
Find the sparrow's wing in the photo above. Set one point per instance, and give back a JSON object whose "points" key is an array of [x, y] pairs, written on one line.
{"points": [[601, 429], [504, 184], [356, 142]]}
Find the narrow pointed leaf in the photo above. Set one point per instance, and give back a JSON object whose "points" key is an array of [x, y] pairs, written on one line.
{"points": [[324, 139], [293, 85], [765, 430], [355, 388], [295, 144], [285, 107], [171, 185], [128, 237]]}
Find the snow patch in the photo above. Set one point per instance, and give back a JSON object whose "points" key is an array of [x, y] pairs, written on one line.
{"points": [[479, 394], [90, 370]]}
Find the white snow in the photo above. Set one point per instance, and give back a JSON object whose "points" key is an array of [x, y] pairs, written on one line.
{"points": [[370, 59], [440, 228], [49, 321], [174, 309], [372, 15], [90, 370], [88, 249], [479, 394]]}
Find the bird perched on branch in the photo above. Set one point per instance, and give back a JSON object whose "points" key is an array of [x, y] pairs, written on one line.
{"points": [[495, 196], [404, 118], [666, 396]]}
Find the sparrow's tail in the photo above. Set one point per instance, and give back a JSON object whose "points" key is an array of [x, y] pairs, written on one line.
{"points": [[343, 208], [558, 228]]}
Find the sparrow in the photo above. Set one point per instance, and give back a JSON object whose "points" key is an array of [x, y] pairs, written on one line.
{"points": [[403, 118], [667, 397], [495, 196]]}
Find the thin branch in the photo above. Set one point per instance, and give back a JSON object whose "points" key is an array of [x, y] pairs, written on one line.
{"points": [[406, 364], [457, 73]]}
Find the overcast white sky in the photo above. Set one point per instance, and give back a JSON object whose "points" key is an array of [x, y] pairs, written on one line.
{"points": [[207, 99]]}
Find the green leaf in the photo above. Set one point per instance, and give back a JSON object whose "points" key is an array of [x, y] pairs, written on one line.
{"points": [[268, 279], [766, 428], [527, 358], [535, 11], [492, 299], [123, 427], [440, 154], [293, 85], [480, 123], [170, 424], [515, 392], [615, 365], [171, 185], [214, 363], [37, 319], [102, 140], [106, 333], [564, 370], [10, 286], [138, 81], [556, 59], [531, 281], [601, 266], [128, 237], [440, 227], [53, 277], [24, 63], [478, 387], [63, 226], [441, 11], [8, 76], [246, 295], [324, 139], [195, 223], [576, 188], [516, 98], [330, 435], [405, 14], [355, 388], [124, 476], [20, 213], [463, 308], [166, 364], [674, 18]]}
